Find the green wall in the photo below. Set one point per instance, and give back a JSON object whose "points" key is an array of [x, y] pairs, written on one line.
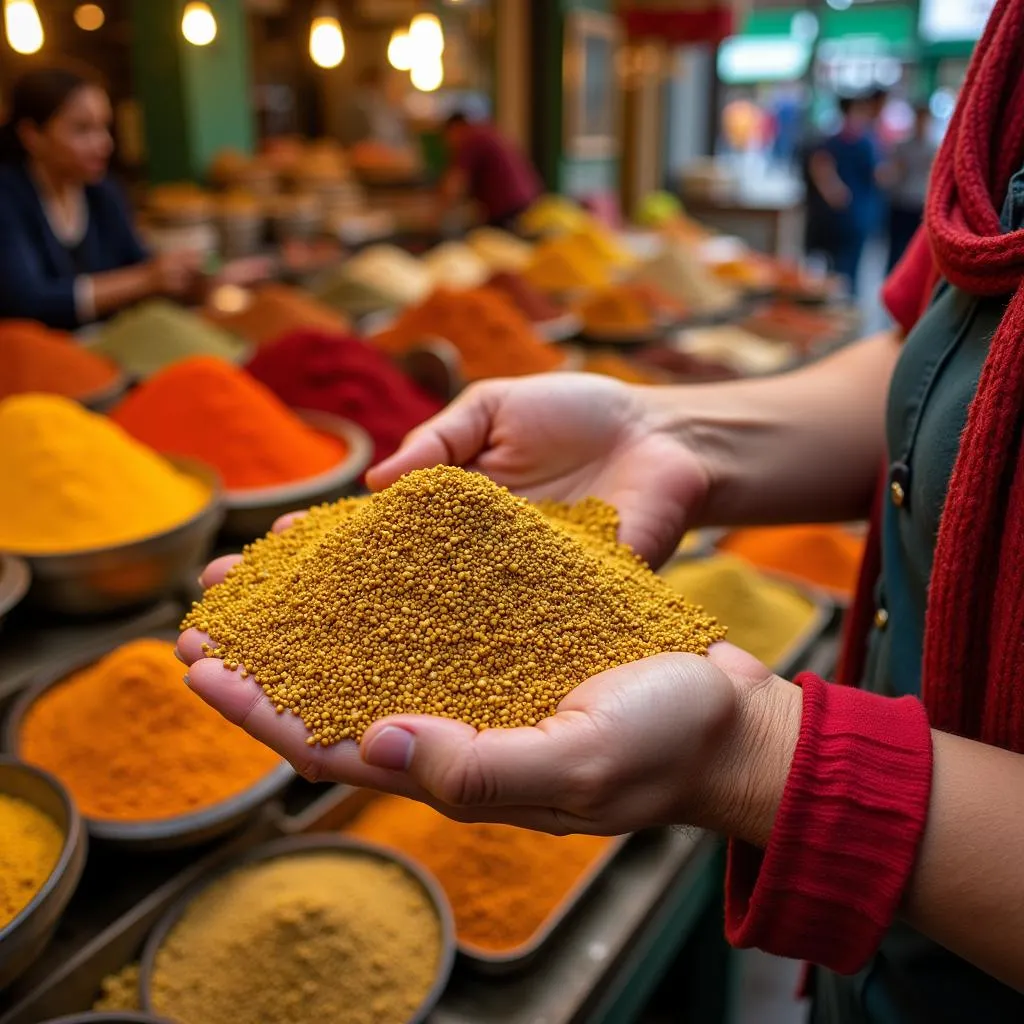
{"points": [[563, 173], [195, 99]]}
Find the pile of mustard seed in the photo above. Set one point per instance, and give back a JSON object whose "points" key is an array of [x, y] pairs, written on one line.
{"points": [[444, 595]]}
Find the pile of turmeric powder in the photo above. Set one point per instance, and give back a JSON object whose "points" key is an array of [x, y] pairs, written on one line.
{"points": [[132, 743], [31, 847], [503, 883], [73, 481], [444, 595]]}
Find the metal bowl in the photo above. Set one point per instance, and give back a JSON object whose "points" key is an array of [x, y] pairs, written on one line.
{"points": [[25, 937], [107, 1018], [15, 579], [251, 513], [124, 576], [316, 844], [160, 833], [107, 397]]}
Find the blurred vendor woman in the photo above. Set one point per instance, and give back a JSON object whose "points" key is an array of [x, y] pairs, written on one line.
{"points": [[69, 253]]}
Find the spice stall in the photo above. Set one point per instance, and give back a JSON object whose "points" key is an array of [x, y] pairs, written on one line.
{"points": [[205, 851]]}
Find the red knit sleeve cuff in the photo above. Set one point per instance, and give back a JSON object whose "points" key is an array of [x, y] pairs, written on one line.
{"points": [[847, 832]]}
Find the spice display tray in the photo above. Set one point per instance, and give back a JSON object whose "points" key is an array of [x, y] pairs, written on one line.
{"points": [[123, 897], [339, 808]]}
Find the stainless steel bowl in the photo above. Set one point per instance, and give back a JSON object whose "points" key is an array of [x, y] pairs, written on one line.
{"points": [[25, 937], [160, 833], [107, 397], [125, 576], [107, 1018], [15, 579], [251, 513], [299, 845]]}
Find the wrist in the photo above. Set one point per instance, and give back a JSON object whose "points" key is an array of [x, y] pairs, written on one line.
{"points": [[747, 783], [730, 429]]}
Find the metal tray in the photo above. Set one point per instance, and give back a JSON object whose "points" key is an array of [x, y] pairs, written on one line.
{"points": [[340, 807]]}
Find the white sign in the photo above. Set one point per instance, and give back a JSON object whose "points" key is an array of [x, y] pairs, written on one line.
{"points": [[944, 21]]}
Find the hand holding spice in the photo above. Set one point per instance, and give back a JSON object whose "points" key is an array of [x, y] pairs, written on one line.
{"points": [[662, 740]]}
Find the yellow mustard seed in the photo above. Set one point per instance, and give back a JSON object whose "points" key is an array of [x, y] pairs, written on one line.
{"points": [[444, 594]]}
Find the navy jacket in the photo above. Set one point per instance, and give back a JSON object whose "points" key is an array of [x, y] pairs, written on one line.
{"points": [[37, 272]]}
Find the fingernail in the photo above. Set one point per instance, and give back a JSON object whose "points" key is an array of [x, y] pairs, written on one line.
{"points": [[188, 682], [177, 654], [391, 748], [199, 581]]}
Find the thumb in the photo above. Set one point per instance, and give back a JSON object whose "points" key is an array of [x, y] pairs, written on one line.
{"points": [[455, 437], [460, 767]]}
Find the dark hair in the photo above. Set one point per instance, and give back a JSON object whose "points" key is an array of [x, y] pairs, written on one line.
{"points": [[454, 120], [37, 96]]}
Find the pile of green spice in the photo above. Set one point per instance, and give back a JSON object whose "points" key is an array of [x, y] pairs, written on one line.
{"points": [[303, 939], [443, 595], [157, 333]]}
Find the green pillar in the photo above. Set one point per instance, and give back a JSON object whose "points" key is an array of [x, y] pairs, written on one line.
{"points": [[195, 99]]}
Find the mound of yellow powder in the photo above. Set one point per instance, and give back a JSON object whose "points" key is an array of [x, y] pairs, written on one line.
{"points": [[30, 849], [304, 939], [765, 617], [444, 595], [73, 481]]}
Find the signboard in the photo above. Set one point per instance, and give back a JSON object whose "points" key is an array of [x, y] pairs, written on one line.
{"points": [[681, 21], [949, 21]]}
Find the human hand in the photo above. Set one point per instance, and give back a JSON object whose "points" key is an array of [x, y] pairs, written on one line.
{"points": [[174, 273], [675, 739], [567, 437]]}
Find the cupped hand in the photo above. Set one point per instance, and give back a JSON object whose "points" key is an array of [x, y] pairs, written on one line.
{"points": [[567, 437], [666, 740]]}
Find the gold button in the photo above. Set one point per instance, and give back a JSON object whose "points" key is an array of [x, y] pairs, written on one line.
{"points": [[898, 494], [881, 618]]}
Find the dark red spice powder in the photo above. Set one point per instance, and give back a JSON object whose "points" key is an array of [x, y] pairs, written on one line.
{"points": [[340, 374]]}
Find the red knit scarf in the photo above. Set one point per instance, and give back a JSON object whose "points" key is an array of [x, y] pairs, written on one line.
{"points": [[973, 674]]}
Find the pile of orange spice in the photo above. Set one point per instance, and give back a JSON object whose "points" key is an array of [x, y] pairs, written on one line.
{"points": [[504, 883], [824, 555], [493, 338], [34, 358], [133, 743], [207, 409]]}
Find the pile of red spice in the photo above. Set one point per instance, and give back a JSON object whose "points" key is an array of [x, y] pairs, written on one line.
{"points": [[492, 337], [341, 374], [207, 409], [34, 358]]}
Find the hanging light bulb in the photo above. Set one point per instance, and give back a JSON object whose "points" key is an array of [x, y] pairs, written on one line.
{"points": [[400, 50], [427, 36], [326, 42], [89, 17], [23, 27], [427, 74], [198, 25]]}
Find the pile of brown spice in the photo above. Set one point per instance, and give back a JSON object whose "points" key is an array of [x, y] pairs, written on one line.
{"points": [[302, 939], [443, 595]]}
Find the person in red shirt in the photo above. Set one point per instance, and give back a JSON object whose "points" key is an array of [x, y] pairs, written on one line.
{"points": [[489, 169], [875, 824]]}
